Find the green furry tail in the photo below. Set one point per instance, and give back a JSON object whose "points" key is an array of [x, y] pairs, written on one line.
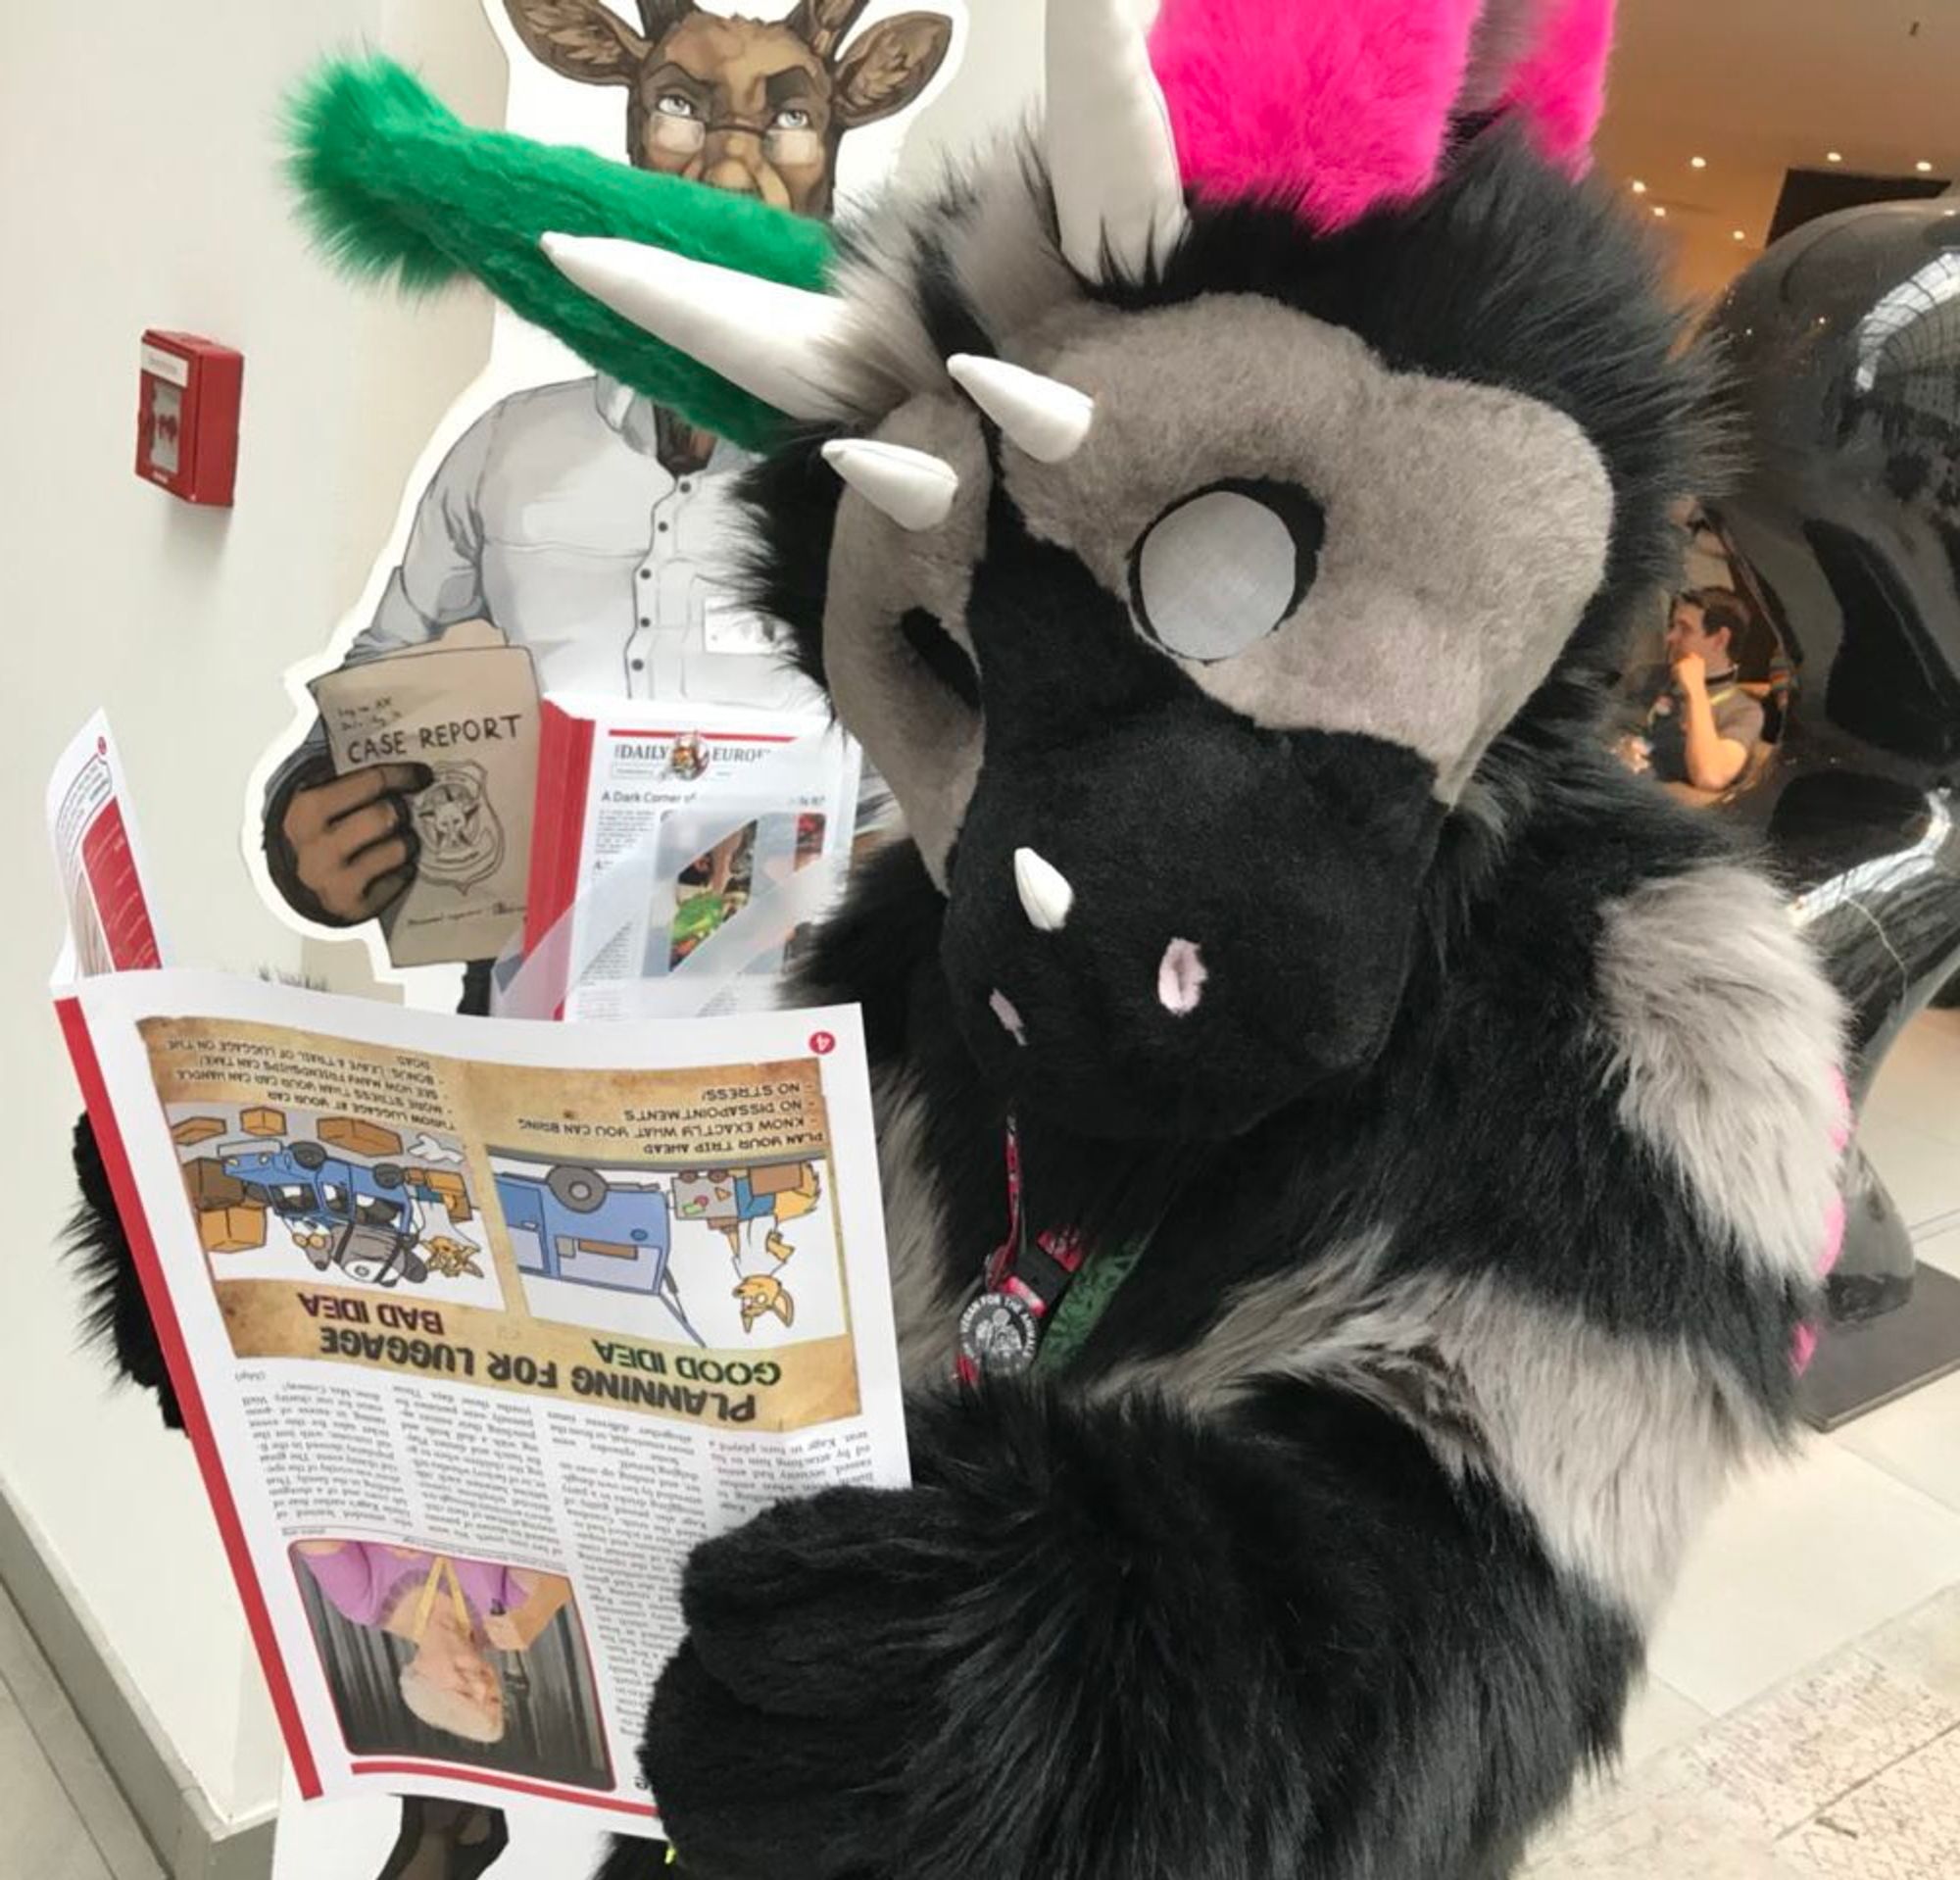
{"points": [[394, 186]]}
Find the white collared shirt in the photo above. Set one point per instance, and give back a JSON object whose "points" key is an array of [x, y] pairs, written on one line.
{"points": [[553, 519]]}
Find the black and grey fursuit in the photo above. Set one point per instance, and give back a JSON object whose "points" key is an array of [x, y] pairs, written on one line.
{"points": [[1333, 1556]]}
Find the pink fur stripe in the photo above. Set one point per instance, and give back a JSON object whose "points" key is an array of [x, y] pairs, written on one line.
{"points": [[1340, 105], [1833, 1235], [1803, 1342], [1332, 106], [1561, 86]]}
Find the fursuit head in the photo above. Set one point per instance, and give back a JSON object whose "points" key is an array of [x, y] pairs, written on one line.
{"points": [[1219, 510]]}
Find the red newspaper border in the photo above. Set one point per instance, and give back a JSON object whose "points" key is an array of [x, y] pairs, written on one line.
{"points": [[176, 1357], [558, 818], [470, 1772]]}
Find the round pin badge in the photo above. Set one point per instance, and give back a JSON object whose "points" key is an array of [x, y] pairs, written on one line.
{"points": [[998, 1334]]}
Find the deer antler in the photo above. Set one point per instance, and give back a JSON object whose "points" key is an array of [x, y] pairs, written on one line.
{"points": [[822, 24]]}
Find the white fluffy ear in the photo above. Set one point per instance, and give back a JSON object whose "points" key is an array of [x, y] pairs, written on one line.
{"points": [[777, 342], [1112, 155]]}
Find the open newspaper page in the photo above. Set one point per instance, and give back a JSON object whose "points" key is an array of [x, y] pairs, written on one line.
{"points": [[679, 849], [479, 1326]]}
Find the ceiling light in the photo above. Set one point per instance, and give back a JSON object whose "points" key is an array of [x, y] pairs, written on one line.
{"points": [[1741, 234], [1834, 155], [1658, 210], [1639, 188], [1698, 163], [1924, 168]]}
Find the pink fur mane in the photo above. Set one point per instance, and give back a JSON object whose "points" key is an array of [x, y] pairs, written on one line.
{"points": [[1335, 106]]}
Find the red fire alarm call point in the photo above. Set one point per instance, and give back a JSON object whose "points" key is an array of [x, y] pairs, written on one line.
{"points": [[187, 416]]}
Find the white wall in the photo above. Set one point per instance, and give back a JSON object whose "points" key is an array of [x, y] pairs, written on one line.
{"points": [[137, 142]]}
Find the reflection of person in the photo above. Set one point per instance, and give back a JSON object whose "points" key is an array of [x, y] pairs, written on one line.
{"points": [[1700, 724], [454, 1612]]}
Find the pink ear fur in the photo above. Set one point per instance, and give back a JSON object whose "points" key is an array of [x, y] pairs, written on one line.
{"points": [[1340, 105], [1332, 106], [1560, 87]]}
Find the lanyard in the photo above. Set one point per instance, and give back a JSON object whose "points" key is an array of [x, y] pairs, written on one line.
{"points": [[1031, 1313]]}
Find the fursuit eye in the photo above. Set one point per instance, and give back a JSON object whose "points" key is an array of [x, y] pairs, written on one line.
{"points": [[675, 104], [792, 118], [1222, 567]]}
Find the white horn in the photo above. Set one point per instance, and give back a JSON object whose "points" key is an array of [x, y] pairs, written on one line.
{"points": [[769, 339], [914, 489], [1045, 896], [1111, 155], [1046, 418]]}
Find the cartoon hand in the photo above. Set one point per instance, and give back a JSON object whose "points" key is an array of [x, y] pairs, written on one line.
{"points": [[352, 843], [764, 1293]]}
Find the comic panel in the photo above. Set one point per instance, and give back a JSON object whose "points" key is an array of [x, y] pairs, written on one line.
{"points": [[448, 1656], [725, 1254], [282, 1193]]}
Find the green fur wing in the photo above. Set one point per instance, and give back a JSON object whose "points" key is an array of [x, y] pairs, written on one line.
{"points": [[395, 187]]}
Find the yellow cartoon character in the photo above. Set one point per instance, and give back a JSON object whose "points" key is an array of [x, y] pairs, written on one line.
{"points": [[451, 1258], [773, 1194]]}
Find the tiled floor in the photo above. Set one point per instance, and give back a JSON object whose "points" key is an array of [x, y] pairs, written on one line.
{"points": [[1803, 1721], [61, 1815]]}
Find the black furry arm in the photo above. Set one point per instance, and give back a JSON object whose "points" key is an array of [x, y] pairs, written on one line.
{"points": [[115, 1312], [1112, 1641]]}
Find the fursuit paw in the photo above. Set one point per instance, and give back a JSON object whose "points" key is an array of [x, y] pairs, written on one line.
{"points": [[817, 1650]]}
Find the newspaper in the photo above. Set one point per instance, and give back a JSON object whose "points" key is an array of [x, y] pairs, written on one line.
{"points": [[110, 926], [677, 851], [478, 1327]]}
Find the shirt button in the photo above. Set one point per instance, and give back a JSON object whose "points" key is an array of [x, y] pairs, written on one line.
{"points": [[686, 485], [661, 526], [646, 574], [646, 620], [638, 666]]}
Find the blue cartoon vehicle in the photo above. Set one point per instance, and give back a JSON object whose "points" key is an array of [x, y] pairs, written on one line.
{"points": [[365, 1219], [576, 1224]]}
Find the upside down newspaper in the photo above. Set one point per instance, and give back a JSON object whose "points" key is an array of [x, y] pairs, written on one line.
{"points": [[478, 1327]]}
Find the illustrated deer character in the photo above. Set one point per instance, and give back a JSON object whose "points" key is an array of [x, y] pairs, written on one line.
{"points": [[753, 106], [756, 107]]}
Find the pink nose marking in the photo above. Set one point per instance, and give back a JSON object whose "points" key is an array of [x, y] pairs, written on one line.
{"points": [[1181, 977], [1003, 1008]]}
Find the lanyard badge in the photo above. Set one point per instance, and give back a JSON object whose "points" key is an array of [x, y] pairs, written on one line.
{"points": [[1023, 1282]]}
